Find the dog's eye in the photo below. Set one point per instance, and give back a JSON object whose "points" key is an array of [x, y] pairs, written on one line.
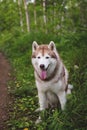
{"points": [[38, 57], [47, 57]]}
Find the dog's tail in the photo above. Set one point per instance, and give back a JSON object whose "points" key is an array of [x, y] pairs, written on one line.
{"points": [[69, 88]]}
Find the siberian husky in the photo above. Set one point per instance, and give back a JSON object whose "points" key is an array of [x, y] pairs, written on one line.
{"points": [[51, 76]]}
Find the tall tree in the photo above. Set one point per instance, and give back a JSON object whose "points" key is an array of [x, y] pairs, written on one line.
{"points": [[27, 16], [35, 15], [44, 12], [20, 13]]}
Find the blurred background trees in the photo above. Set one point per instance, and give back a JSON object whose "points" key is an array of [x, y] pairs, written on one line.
{"points": [[48, 16]]}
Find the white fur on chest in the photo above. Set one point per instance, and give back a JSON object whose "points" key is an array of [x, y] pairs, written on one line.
{"points": [[49, 86]]}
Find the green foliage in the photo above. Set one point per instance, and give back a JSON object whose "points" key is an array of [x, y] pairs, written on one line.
{"points": [[8, 18], [66, 26], [61, 16]]}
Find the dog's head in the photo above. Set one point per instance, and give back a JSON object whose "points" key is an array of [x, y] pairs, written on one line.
{"points": [[44, 59]]}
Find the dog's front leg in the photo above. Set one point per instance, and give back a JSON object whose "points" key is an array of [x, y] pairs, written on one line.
{"points": [[42, 100], [43, 104]]}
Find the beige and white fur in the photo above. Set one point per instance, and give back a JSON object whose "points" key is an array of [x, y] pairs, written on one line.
{"points": [[51, 76]]}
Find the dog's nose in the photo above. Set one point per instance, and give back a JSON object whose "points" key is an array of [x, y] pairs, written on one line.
{"points": [[42, 66]]}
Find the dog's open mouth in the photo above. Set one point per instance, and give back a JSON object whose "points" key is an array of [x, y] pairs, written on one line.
{"points": [[43, 74]]}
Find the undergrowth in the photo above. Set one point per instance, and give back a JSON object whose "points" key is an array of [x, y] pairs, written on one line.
{"points": [[73, 50]]}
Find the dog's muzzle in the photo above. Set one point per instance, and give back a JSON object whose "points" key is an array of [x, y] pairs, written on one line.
{"points": [[43, 73]]}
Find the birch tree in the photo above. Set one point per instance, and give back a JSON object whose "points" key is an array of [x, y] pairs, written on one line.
{"points": [[44, 12], [20, 13], [35, 15], [27, 16]]}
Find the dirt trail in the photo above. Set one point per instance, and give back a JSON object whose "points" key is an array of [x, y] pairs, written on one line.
{"points": [[4, 98]]}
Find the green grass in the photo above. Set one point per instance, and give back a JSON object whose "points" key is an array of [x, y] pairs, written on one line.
{"points": [[73, 50]]}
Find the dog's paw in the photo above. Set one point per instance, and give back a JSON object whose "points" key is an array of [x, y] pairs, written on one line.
{"points": [[70, 87]]}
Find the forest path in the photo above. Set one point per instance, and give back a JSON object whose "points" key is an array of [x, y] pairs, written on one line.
{"points": [[4, 97]]}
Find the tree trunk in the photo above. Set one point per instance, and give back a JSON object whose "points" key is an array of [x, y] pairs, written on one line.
{"points": [[20, 13], [44, 12], [35, 15], [44, 15], [27, 16]]}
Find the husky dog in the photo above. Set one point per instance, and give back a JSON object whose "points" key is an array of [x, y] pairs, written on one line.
{"points": [[51, 76]]}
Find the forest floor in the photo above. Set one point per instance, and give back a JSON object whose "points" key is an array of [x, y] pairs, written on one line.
{"points": [[4, 97]]}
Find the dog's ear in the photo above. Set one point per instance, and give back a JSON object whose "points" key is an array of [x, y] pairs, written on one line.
{"points": [[52, 46], [34, 46]]}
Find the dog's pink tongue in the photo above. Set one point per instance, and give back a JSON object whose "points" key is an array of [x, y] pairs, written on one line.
{"points": [[43, 74]]}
